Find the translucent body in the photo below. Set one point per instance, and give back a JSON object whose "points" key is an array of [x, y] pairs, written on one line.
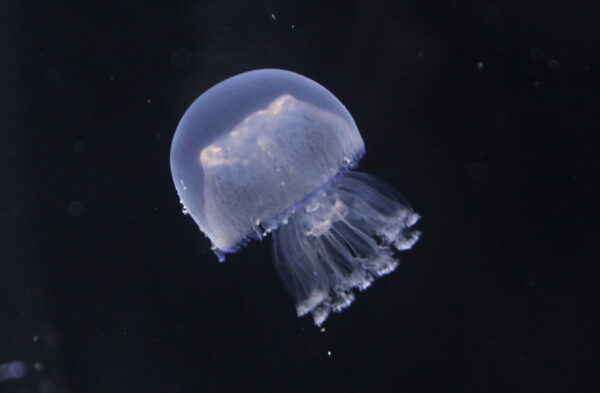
{"points": [[254, 146], [342, 239], [271, 149]]}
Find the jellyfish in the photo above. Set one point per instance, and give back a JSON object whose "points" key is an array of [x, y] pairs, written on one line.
{"points": [[272, 152]]}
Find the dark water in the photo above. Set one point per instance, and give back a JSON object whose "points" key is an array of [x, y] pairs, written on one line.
{"points": [[483, 115]]}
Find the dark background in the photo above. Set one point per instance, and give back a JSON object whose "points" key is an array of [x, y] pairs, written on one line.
{"points": [[481, 113]]}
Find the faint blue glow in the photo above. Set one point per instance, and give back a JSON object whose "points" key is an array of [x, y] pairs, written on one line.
{"points": [[75, 208], [12, 370]]}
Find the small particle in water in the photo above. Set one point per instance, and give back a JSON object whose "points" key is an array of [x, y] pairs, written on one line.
{"points": [[553, 64], [148, 101], [536, 83], [273, 16], [78, 147], [38, 366], [323, 330], [75, 208], [47, 385], [36, 338], [537, 54], [12, 370], [479, 66], [293, 26], [329, 353]]}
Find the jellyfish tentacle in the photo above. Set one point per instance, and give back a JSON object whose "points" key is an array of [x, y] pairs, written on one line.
{"points": [[343, 240]]}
